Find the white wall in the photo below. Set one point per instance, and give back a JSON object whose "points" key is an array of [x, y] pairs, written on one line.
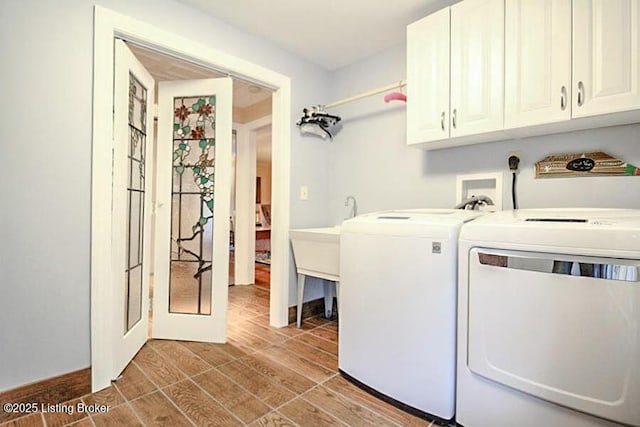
{"points": [[263, 170], [45, 139], [45, 142], [369, 158]]}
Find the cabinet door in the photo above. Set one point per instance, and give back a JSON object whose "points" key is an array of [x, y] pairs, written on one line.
{"points": [[477, 67], [537, 62], [428, 78], [606, 41]]}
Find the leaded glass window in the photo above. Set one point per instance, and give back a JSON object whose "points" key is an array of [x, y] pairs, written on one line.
{"points": [[135, 200], [192, 205]]}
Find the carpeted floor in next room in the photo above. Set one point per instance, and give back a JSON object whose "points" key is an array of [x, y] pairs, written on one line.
{"points": [[263, 376]]}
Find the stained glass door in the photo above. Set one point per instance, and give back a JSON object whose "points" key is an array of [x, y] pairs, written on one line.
{"points": [[194, 161], [131, 192]]}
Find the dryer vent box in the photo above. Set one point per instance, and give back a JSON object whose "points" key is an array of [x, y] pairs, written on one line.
{"points": [[486, 184]]}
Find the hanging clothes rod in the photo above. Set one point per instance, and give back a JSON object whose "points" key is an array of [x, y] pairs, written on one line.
{"points": [[397, 85]]}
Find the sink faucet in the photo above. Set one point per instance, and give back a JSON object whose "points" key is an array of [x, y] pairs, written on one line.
{"points": [[354, 206]]}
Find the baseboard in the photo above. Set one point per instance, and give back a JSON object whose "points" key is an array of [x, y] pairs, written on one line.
{"points": [[309, 309], [433, 420], [49, 391]]}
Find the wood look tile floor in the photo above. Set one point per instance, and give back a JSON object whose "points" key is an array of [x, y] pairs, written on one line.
{"points": [[263, 376]]}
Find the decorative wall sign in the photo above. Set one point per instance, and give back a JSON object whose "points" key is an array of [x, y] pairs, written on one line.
{"points": [[597, 163]]}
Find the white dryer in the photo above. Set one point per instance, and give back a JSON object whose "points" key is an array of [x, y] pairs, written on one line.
{"points": [[549, 319], [397, 306]]}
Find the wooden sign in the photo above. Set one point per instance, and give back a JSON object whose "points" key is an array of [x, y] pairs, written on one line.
{"points": [[596, 163]]}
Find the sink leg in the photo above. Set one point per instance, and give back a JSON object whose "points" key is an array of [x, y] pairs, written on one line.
{"points": [[329, 293], [301, 279]]}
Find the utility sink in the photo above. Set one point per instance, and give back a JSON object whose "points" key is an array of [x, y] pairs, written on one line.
{"points": [[317, 251]]}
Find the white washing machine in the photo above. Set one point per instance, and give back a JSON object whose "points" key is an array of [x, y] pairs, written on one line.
{"points": [[549, 319], [398, 273]]}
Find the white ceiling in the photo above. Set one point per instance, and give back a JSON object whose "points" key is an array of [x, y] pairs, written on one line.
{"points": [[163, 67], [331, 33]]}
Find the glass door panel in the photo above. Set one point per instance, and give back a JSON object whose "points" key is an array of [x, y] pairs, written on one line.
{"points": [[133, 102], [192, 204], [194, 186]]}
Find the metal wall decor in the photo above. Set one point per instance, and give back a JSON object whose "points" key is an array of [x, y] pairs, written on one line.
{"points": [[192, 204], [597, 163]]}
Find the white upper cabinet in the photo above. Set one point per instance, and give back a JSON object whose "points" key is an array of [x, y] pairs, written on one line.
{"points": [[484, 70], [428, 78], [477, 67], [606, 40], [537, 62]]}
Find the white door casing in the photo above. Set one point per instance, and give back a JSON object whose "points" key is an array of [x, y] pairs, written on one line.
{"points": [[245, 219], [131, 214], [179, 325], [245, 236]]}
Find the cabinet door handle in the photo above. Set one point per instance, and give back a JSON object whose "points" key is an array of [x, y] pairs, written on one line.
{"points": [[454, 117], [563, 98], [580, 94], [442, 120]]}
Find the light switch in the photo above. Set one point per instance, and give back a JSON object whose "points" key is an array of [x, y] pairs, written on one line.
{"points": [[304, 192]]}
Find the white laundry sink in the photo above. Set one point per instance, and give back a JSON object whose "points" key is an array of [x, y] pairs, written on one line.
{"points": [[317, 251]]}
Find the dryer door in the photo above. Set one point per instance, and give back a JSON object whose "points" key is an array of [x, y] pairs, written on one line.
{"points": [[562, 328]]}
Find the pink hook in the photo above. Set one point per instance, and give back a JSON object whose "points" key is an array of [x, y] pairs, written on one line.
{"points": [[395, 96]]}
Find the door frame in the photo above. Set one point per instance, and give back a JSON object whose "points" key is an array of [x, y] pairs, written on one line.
{"points": [[107, 26], [245, 235]]}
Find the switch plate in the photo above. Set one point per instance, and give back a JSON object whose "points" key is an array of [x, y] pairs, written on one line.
{"points": [[304, 192]]}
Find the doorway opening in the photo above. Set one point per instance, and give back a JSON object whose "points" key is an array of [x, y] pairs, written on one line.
{"points": [[251, 164], [263, 207], [109, 26]]}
